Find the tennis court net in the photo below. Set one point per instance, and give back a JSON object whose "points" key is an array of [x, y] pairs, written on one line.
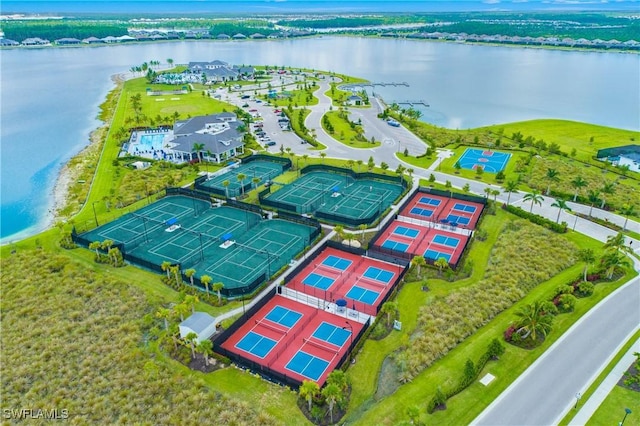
{"points": [[324, 347], [272, 327], [370, 282], [329, 270]]}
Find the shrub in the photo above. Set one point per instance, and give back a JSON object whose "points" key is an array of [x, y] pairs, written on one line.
{"points": [[508, 333], [585, 289], [537, 219], [566, 303]]}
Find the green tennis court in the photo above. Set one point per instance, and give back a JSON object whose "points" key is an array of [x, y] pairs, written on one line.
{"points": [[262, 170], [337, 197], [234, 246]]}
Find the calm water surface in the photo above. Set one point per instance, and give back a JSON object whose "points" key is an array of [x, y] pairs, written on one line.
{"points": [[50, 97]]}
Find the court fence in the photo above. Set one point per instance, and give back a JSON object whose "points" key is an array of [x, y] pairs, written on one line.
{"points": [[284, 162], [302, 220], [398, 180], [188, 192]]}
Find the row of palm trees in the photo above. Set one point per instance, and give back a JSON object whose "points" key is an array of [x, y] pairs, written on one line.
{"points": [[174, 270], [333, 392]]}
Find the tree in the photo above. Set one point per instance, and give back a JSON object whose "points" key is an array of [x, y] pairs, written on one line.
{"points": [[359, 163], [166, 266], [627, 210], [608, 188], [371, 163], [551, 176], [309, 390], [170, 61], [457, 166], [190, 301], [95, 246], [561, 205], [578, 183], [613, 260], [181, 309], [594, 198], [256, 181], [418, 262], [588, 257], [190, 273], [509, 188], [323, 155], [217, 287], [442, 264], [362, 228], [241, 177], [165, 314], [226, 184], [206, 280], [487, 191], [190, 340], [535, 198], [206, 349], [495, 193], [617, 243], [175, 269], [414, 414], [332, 394], [389, 309], [533, 321], [339, 378]]}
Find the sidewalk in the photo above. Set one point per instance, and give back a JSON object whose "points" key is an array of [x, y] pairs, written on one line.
{"points": [[592, 404]]}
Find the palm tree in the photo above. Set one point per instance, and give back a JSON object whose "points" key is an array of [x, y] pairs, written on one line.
{"points": [[241, 177], [362, 228], [309, 390], [322, 155], [256, 181], [588, 257], [190, 273], [578, 183], [339, 230], [594, 197], [495, 194], [339, 378], [181, 310], [533, 321], [617, 243], [170, 61], [359, 163], [613, 260], [217, 287], [561, 205], [608, 188], [226, 184], [487, 191], [197, 148], [166, 265], [551, 176], [205, 348], [332, 394], [166, 315], [535, 198], [206, 280], [175, 269], [627, 210], [190, 301], [388, 308], [95, 246], [418, 262], [190, 339], [510, 187], [441, 263]]}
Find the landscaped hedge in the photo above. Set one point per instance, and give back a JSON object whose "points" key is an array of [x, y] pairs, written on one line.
{"points": [[560, 228]]}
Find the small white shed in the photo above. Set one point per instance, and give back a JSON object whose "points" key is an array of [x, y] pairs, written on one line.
{"points": [[201, 323]]}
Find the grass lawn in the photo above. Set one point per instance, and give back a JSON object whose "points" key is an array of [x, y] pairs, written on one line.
{"points": [[612, 410], [423, 162], [570, 134], [295, 98], [343, 132]]}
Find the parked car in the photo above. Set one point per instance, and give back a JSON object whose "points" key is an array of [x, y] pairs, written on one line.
{"points": [[258, 125], [253, 110], [270, 143]]}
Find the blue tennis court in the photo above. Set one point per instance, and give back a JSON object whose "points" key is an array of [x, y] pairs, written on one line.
{"points": [[363, 295], [337, 262], [447, 241], [307, 365], [378, 274], [256, 344], [489, 161], [429, 201], [318, 281], [421, 212], [464, 208], [283, 316], [395, 245], [406, 232], [452, 218], [332, 334], [435, 255]]}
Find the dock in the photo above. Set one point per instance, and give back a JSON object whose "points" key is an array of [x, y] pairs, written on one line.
{"points": [[412, 103]]}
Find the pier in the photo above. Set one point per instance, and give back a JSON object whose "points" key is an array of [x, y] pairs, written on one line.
{"points": [[412, 103]]}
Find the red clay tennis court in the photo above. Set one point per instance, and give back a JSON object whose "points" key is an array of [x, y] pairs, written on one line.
{"points": [[432, 243], [454, 212], [334, 275], [298, 341]]}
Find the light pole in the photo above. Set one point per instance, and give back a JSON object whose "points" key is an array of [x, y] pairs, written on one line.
{"points": [[95, 216], [578, 396], [626, 413], [350, 334]]}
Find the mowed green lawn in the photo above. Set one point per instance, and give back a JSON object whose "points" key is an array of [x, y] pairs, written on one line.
{"points": [[570, 134], [611, 411]]}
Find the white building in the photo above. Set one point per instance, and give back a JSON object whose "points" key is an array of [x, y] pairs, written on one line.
{"points": [[200, 323]]}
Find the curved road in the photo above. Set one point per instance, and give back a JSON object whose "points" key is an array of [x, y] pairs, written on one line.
{"points": [[546, 391]]}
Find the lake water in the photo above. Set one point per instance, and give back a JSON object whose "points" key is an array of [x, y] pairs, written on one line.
{"points": [[50, 97]]}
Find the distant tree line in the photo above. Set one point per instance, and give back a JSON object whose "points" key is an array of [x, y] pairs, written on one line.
{"points": [[56, 29]]}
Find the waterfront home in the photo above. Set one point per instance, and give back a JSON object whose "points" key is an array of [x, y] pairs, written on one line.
{"points": [[220, 71]]}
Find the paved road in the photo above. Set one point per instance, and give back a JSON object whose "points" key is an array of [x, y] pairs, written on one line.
{"points": [[546, 391]]}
